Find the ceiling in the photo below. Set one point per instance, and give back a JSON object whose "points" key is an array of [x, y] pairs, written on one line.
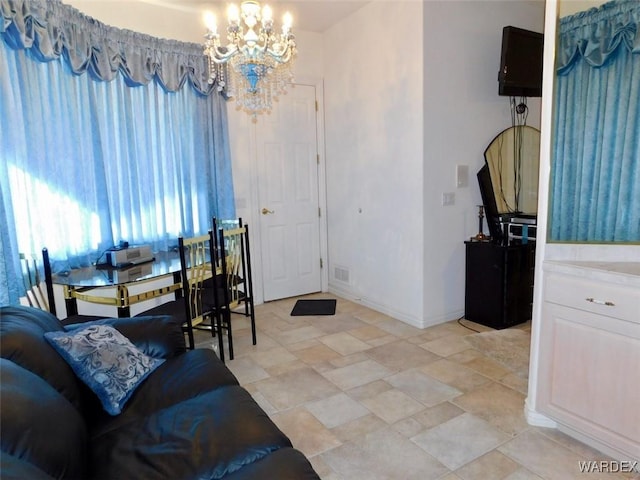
{"points": [[308, 15]]}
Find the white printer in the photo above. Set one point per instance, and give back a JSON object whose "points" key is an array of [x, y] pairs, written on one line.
{"points": [[126, 257]]}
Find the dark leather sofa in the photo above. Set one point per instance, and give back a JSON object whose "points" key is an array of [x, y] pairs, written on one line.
{"points": [[189, 419]]}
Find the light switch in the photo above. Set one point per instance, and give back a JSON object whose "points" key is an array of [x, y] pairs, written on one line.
{"points": [[462, 176]]}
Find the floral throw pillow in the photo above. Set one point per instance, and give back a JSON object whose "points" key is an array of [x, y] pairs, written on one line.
{"points": [[106, 361]]}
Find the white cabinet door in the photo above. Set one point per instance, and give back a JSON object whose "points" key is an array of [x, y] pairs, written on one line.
{"points": [[590, 370]]}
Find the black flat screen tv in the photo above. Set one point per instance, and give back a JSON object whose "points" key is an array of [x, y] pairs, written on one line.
{"points": [[520, 63]]}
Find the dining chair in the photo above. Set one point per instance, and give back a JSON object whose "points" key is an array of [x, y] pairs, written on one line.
{"points": [[233, 292], [191, 307], [218, 224], [50, 302], [34, 293]]}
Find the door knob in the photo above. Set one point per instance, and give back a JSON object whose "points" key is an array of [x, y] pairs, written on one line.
{"points": [[266, 211]]}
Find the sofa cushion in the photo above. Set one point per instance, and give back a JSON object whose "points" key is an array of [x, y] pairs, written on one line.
{"points": [[22, 341], [206, 436], [194, 373], [14, 468], [39, 426], [106, 361]]}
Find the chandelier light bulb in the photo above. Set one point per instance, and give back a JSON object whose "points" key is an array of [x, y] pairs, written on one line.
{"points": [[233, 14], [267, 17], [211, 22], [287, 22]]}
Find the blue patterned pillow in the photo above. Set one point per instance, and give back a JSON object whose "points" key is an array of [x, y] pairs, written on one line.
{"points": [[106, 361]]}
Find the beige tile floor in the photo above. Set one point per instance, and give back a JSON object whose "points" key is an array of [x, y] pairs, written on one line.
{"points": [[366, 396]]}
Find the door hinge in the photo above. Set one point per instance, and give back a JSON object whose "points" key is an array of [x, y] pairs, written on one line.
{"points": [[316, 105], [321, 264], [319, 212], [318, 159]]}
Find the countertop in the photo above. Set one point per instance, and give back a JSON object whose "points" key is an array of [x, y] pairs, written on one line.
{"points": [[623, 273]]}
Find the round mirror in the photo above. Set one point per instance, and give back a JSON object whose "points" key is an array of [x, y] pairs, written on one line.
{"points": [[513, 160]]}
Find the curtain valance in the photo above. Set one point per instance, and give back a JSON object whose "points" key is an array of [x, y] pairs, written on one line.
{"points": [[595, 34], [50, 29]]}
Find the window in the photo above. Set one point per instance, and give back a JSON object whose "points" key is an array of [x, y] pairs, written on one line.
{"points": [[123, 153]]}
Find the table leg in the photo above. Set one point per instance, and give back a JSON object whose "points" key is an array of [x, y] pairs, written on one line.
{"points": [[71, 305]]}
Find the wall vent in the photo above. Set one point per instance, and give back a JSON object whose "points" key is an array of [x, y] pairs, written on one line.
{"points": [[341, 274]]}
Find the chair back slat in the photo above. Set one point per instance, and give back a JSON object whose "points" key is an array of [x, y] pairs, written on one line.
{"points": [[195, 258], [236, 266]]}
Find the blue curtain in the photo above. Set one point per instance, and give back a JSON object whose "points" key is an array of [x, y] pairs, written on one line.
{"points": [[106, 136], [595, 187]]}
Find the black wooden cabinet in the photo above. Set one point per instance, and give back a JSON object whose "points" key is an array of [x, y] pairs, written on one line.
{"points": [[499, 283]]}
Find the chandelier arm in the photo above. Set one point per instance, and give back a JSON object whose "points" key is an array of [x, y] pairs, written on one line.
{"points": [[221, 56], [281, 57]]}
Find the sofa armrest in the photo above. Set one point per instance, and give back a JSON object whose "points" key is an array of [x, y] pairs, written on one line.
{"points": [[159, 336]]}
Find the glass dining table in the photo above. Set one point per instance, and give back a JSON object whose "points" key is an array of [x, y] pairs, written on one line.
{"points": [[106, 285]]}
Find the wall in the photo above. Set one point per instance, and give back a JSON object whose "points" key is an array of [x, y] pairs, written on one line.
{"points": [[574, 6], [373, 117], [463, 113], [178, 22], [399, 117]]}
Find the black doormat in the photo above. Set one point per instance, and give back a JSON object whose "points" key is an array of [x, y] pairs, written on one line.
{"points": [[314, 307]]}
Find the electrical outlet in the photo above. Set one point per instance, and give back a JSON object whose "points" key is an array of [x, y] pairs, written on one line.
{"points": [[448, 199]]}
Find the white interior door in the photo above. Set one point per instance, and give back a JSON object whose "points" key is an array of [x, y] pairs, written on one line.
{"points": [[287, 155]]}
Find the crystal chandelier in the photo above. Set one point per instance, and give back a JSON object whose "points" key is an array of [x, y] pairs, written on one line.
{"points": [[258, 59]]}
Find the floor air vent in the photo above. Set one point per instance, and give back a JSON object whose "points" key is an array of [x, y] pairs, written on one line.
{"points": [[342, 274]]}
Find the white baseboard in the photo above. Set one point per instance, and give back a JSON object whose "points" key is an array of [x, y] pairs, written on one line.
{"points": [[402, 316], [537, 419], [605, 448], [398, 315]]}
